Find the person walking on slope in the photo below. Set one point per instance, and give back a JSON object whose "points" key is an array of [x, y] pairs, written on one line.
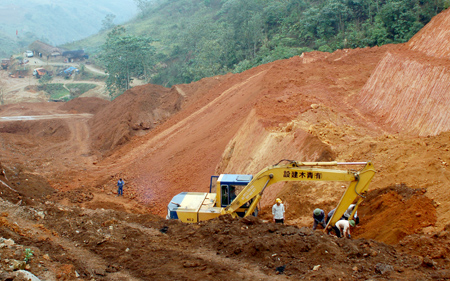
{"points": [[120, 184], [278, 211], [344, 227], [319, 218]]}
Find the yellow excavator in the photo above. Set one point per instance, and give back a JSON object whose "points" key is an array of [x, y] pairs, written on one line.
{"points": [[239, 195]]}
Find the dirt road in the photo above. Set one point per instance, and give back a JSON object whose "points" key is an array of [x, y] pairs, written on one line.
{"points": [[41, 117]]}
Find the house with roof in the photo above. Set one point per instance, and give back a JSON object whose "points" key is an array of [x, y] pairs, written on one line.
{"points": [[75, 55], [38, 47]]}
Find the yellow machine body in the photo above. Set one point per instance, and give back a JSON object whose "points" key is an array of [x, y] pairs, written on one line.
{"points": [[193, 207]]}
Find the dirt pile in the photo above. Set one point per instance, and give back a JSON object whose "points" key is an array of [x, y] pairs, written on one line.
{"points": [[69, 243], [400, 211], [18, 185], [85, 105], [409, 92], [140, 110]]}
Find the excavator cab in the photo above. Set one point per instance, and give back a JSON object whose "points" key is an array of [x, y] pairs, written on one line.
{"points": [[228, 186]]}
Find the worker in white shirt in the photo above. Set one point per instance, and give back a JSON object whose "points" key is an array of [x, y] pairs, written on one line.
{"points": [[344, 227], [278, 211], [349, 211]]}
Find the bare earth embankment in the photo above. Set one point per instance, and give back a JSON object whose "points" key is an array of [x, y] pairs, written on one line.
{"points": [[60, 163]]}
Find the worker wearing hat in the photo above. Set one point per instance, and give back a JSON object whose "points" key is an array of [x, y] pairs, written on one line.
{"points": [[278, 211], [319, 218], [344, 227], [348, 213]]}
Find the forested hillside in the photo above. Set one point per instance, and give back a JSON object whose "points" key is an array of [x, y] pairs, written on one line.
{"points": [[55, 21], [199, 38]]}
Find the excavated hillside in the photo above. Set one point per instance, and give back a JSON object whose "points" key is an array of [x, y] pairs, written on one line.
{"points": [[60, 163]]}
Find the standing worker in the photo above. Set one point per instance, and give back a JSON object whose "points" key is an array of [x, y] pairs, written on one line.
{"points": [[319, 218], [120, 184], [344, 227], [278, 211]]}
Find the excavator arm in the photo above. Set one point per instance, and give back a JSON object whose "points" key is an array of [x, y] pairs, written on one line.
{"points": [[306, 171], [356, 189]]}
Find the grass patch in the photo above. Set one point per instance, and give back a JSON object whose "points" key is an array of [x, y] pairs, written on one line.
{"points": [[82, 87], [56, 91]]}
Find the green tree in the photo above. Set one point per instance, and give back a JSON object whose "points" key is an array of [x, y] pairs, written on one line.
{"points": [[108, 22], [199, 38], [142, 5], [125, 56], [244, 17]]}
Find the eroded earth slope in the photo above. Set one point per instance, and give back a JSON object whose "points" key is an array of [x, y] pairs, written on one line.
{"points": [[389, 104]]}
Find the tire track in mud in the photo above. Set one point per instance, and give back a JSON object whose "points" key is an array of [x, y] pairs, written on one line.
{"points": [[79, 138]]}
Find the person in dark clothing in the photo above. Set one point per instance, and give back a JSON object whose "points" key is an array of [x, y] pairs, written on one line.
{"points": [[336, 230], [319, 218], [330, 214], [120, 184]]}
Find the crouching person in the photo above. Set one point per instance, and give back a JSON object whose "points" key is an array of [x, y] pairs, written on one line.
{"points": [[344, 228], [319, 218]]}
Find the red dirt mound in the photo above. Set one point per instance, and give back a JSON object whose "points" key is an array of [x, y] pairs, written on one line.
{"points": [[165, 141], [20, 185], [409, 90], [70, 243], [392, 213], [84, 105], [142, 109], [138, 109]]}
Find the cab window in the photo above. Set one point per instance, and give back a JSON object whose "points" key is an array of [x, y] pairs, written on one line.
{"points": [[224, 194]]}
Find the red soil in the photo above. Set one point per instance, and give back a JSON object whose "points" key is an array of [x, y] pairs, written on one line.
{"points": [[385, 104]]}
